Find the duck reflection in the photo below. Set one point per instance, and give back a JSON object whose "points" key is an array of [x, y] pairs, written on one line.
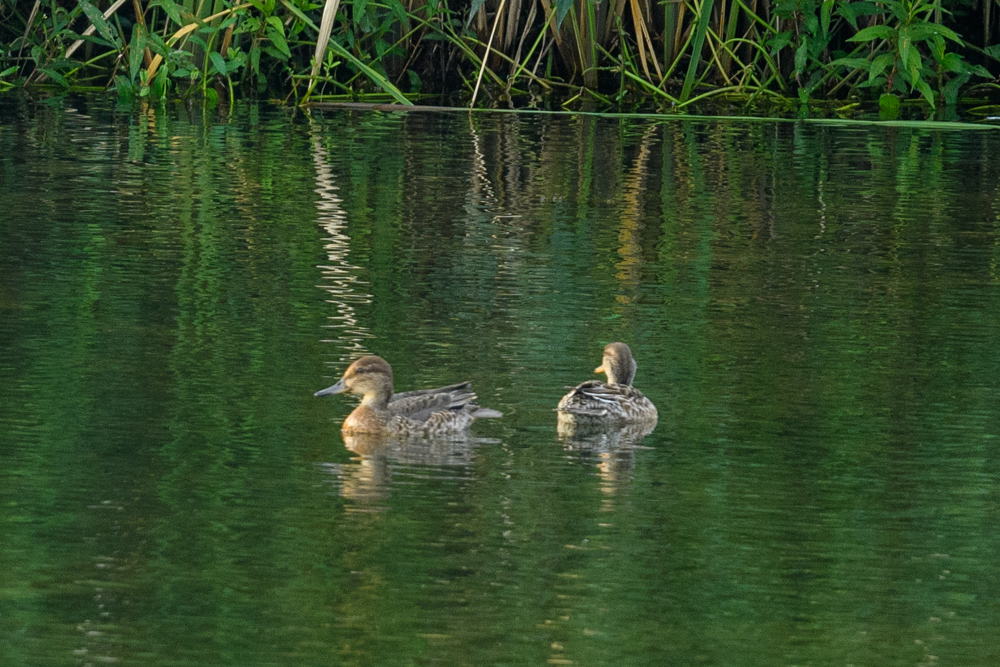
{"points": [[380, 461], [612, 450]]}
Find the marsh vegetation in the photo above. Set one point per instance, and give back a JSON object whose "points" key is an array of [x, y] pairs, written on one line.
{"points": [[623, 54]]}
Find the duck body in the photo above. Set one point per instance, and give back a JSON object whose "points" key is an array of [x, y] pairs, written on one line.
{"points": [[423, 412], [613, 404]]}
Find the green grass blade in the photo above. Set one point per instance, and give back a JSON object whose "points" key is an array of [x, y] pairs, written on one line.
{"points": [[698, 42]]}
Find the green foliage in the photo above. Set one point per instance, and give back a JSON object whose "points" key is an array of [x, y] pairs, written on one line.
{"points": [[619, 50]]}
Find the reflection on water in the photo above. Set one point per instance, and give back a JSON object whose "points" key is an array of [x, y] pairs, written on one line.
{"points": [[367, 480], [813, 308]]}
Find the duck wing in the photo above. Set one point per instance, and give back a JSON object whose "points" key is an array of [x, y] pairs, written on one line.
{"points": [[404, 395], [598, 399], [421, 404]]}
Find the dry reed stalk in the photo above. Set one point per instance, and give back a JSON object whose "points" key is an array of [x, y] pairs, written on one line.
{"points": [[489, 47], [643, 41], [27, 27], [322, 40]]}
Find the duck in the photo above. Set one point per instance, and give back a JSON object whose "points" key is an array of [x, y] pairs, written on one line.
{"points": [[612, 404], [422, 412]]}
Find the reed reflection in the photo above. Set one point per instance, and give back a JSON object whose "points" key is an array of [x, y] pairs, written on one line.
{"points": [[339, 276]]}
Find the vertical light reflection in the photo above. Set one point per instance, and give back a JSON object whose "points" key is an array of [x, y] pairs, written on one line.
{"points": [[339, 278], [629, 268]]}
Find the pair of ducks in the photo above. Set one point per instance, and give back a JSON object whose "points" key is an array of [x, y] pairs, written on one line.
{"points": [[449, 410]]}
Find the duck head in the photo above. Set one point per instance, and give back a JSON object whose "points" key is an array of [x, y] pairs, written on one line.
{"points": [[371, 377], [618, 364]]}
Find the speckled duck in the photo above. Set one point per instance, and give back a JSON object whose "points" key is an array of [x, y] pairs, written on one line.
{"points": [[424, 412], [614, 403]]}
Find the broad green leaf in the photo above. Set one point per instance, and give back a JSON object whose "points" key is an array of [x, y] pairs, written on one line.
{"points": [[825, 10], [952, 62], [126, 91], [812, 24], [920, 31], [562, 9], [909, 57], [925, 90], [872, 33], [979, 70], [937, 46], [255, 58], [415, 83], [172, 9], [950, 90], [786, 9], [8, 71], [779, 41], [993, 51], [278, 40], [104, 29], [880, 64], [55, 76], [211, 98], [853, 10], [359, 10], [135, 51], [896, 9], [478, 4], [802, 55], [888, 107], [218, 62], [847, 10], [277, 24], [874, 82], [160, 83], [852, 63], [397, 10]]}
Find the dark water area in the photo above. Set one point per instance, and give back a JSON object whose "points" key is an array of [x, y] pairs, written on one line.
{"points": [[813, 308]]}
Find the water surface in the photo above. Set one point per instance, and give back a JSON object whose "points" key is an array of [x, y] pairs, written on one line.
{"points": [[813, 307]]}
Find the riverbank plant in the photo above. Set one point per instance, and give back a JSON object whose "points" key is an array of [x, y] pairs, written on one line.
{"points": [[673, 53]]}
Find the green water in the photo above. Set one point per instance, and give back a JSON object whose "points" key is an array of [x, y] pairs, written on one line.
{"points": [[813, 308]]}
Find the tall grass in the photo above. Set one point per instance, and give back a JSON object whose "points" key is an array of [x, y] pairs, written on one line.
{"points": [[626, 52]]}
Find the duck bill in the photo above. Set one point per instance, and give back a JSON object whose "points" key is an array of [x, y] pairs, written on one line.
{"points": [[333, 389], [599, 369]]}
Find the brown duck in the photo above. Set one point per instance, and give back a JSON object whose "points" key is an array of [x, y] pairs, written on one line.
{"points": [[427, 412], [614, 403]]}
